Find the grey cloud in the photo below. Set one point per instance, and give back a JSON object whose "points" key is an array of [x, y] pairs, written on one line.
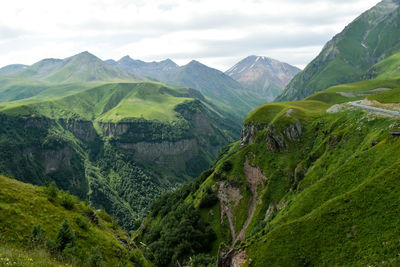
{"points": [[201, 21], [7, 33], [254, 42]]}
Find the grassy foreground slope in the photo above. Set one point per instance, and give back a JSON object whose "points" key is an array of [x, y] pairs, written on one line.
{"points": [[303, 187], [97, 239]]}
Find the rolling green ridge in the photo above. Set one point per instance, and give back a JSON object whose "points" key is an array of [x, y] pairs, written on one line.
{"points": [[83, 67], [347, 58], [302, 187], [26, 207]]}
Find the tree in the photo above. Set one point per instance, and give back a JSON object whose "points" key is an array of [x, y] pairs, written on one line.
{"points": [[65, 236]]}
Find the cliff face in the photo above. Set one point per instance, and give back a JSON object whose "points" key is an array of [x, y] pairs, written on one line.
{"points": [[170, 155], [276, 139]]}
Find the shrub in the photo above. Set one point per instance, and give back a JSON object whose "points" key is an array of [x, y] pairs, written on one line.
{"points": [[38, 236], [136, 257], [96, 259], [82, 222], [51, 191], [203, 260], [105, 216], [67, 201], [65, 236], [209, 199], [227, 166]]}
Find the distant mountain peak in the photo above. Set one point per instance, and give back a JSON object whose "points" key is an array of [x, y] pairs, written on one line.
{"points": [[84, 56], [195, 64], [125, 58], [168, 62], [263, 75]]}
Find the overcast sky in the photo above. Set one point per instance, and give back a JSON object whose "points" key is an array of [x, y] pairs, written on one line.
{"points": [[215, 32]]}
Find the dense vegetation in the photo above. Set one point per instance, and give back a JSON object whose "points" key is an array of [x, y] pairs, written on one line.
{"points": [[176, 230]]}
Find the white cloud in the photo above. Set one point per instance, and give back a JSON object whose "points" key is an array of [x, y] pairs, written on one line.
{"points": [[218, 33]]}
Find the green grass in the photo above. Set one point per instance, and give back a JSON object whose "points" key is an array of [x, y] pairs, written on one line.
{"points": [[355, 91], [107, 102], [23, 205], [388, 68], [11, 256], [269, 112], [392, 96]]}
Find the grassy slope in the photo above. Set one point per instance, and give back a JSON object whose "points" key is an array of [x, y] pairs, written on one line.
{"points": [[83, 67], [325, 206], [23, 206], [350, 54], [106, 102], [339, 200], [359, 90], [388, 68]]}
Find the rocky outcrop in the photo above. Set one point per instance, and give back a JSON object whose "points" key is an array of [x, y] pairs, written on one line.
{"points": [[249, 133], [56, 160], [278, 140], [83, 130], [228, 257], [115, 129], [167, 154], [37, 122]]}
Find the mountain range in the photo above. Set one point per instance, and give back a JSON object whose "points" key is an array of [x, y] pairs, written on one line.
{"points": [[212, 83], [311, 182]]}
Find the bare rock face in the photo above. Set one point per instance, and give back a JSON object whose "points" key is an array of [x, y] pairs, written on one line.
{"points": [[55, 160], [166, 153], [278, 141], [249, 133], [83, 130], [228, 257]]}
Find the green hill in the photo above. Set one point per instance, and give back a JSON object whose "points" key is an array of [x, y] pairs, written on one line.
{"points": [[387, 68], [370, 38], [11, 69], [83, 67], [303, 187], [30, 221], [59, 77]]}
